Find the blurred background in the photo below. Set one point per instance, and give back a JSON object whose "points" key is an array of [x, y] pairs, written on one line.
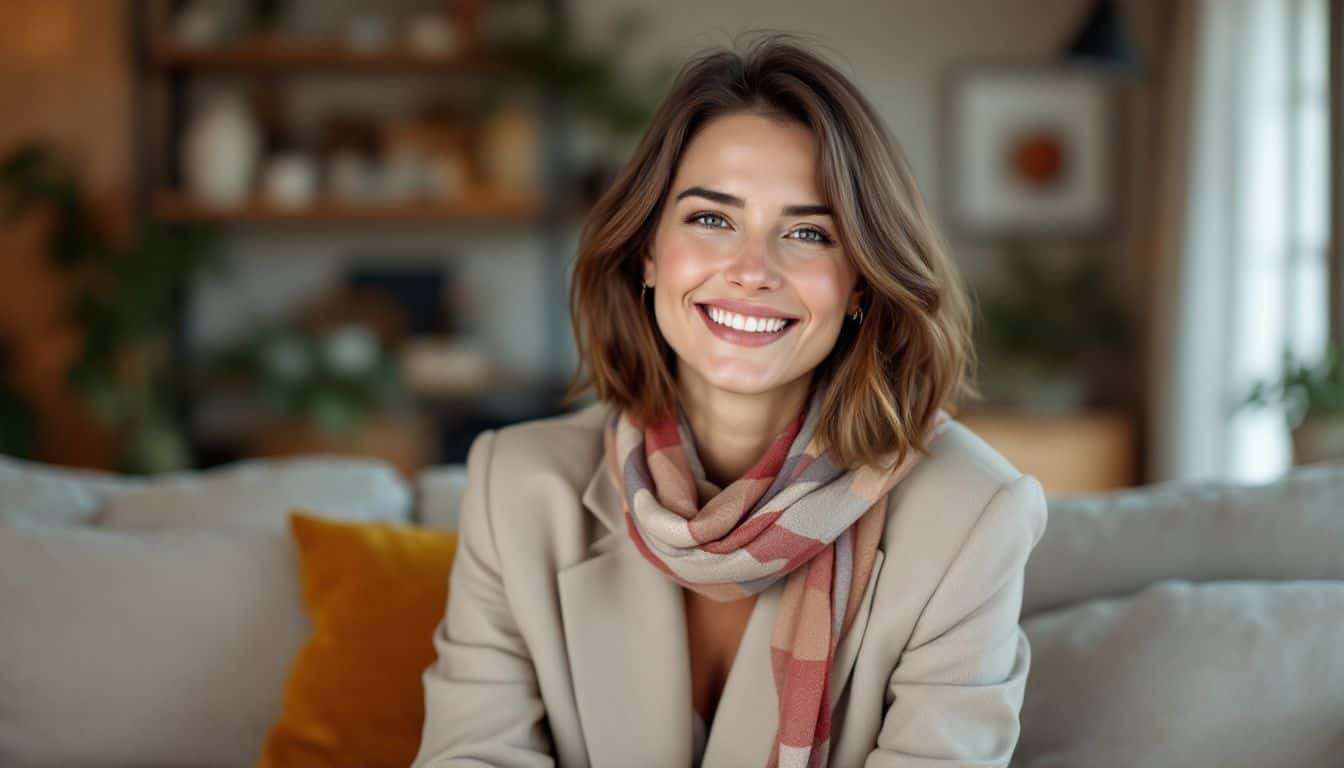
{"points": [[273, 227]]}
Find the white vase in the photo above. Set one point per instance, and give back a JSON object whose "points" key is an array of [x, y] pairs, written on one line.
{"points": [[220, 151]]}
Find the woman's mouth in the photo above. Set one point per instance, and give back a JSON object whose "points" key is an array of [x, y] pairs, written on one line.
{"points": [[751, 334]]}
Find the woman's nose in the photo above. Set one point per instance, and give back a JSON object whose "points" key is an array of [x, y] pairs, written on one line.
{"points": [[752, 266]]}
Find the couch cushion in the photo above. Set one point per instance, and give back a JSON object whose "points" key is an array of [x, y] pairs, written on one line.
{"points": [[261, 492], [374, 593], [1224, 675], [143, 648], [440, 497], [32, 493], [1112, 544]]}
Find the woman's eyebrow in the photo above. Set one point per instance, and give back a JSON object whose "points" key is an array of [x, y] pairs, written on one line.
{"points": [[737, 202]]}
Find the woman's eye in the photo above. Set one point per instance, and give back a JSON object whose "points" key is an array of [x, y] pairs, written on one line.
{"points": [[715, 221], [700, 217], [820, 236]]}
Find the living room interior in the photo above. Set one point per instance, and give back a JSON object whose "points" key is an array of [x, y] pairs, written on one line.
{"points": [[270, 266]]}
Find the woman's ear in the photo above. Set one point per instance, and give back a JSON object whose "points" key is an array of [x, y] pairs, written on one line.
{"points": [[855, 301], [650, 271]]}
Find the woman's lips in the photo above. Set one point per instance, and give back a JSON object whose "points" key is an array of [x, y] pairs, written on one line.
{"points": [[742, 338]]}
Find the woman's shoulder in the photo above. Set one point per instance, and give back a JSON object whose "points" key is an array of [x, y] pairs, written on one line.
{"points": [[568, 443], [584, 423], [960, 456], [949, 490], [525, 483]]}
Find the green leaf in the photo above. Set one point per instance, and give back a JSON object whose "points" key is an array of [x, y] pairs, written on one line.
{"points": [[333, 413]]}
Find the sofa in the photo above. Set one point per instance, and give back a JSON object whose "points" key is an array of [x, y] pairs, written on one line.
{"points": [[151, 621]]}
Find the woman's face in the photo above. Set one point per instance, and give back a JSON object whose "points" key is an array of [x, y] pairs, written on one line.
{"points": [[743, 231]]}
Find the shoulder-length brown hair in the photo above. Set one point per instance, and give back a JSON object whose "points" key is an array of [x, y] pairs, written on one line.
{"points": [[886, 376]]}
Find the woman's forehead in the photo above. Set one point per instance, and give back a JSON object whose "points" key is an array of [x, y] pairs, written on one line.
{"points": [[758, 159]]}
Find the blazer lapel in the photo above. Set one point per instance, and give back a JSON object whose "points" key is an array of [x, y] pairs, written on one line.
{"points": [[625, 630]]}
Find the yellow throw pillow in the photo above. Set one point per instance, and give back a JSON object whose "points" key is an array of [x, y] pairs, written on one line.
{"points": [[374, 593]]}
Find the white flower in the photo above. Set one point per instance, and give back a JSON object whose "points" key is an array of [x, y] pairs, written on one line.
{"points": [[351, 350]]}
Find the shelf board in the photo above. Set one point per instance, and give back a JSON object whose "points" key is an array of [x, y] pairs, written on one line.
{"points": [[284, 54], [172, 206]]}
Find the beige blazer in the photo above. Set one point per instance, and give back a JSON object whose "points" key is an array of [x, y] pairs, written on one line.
{"points": [[562, 646]]}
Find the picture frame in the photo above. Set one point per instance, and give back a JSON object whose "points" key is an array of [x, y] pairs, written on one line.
{"points": [[1029, 150]]}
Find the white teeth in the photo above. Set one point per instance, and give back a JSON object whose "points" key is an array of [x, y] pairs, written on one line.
{"points": [[744, 322]]}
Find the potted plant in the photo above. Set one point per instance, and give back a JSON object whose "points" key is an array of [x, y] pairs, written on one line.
{"points": [[334, 390], [1039, 330], [1312, 394], [126, 303]]}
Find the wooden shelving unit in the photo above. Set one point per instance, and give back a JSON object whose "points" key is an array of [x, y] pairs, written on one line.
{"points": [[168, 69], [167, 73], [477, 208], [273, 54]]}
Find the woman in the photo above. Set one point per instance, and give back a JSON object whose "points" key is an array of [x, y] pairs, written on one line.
{"points": [[768, 542]]}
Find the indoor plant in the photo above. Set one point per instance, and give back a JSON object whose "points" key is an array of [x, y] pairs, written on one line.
{"points": [[330, 379], [1039, 330], [126, 302], [331, 390], [1312, 394]]}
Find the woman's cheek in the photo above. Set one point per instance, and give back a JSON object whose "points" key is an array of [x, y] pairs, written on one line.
{"points": [[688, 259], [823, 288]]}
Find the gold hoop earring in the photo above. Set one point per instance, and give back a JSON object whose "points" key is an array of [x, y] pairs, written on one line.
{"points": [[643, 289]]}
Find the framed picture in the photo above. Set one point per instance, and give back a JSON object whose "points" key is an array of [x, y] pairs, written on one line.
{"points": [[1029, 150]]}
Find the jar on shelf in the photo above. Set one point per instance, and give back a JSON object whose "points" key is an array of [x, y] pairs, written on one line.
{"points": [[221, 150], [510, 148]]}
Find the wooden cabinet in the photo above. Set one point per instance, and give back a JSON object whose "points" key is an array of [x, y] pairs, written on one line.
{"points": [[1070, 453]]}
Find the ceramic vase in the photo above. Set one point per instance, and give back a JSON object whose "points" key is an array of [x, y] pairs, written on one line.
{"points": [[221, 150]]}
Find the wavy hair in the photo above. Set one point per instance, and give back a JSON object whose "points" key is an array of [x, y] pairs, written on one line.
{"points": [[887, 376]]}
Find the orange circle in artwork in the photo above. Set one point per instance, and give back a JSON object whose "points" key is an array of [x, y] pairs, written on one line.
{"points": [[1038, 158]]}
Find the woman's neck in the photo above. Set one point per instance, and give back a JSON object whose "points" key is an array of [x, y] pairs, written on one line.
{"points": [[731, 430]]}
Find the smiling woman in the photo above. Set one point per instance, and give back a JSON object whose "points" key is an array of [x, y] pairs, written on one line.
{"points": [[690, 570]]}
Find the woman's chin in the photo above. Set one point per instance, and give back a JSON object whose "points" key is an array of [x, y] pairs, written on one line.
{"points": [[741, 382]]}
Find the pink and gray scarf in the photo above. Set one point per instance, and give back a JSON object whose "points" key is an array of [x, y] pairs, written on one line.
{"points": [[795, 514]]}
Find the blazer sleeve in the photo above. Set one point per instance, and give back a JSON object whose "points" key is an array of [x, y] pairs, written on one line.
{"points": [[956, 692], [482, 704]]}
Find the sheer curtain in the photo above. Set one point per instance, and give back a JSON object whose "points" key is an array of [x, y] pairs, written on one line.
{"points": [[1241, 223]]}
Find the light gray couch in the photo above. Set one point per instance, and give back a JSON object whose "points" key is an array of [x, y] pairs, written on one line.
{"points": [[151, 623], [1189, 624]]}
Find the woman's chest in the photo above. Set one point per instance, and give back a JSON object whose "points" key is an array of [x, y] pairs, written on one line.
{"points": [[713, 634]]}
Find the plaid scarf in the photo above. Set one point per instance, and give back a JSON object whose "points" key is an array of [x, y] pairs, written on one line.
{"points": [[795, 514]]}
